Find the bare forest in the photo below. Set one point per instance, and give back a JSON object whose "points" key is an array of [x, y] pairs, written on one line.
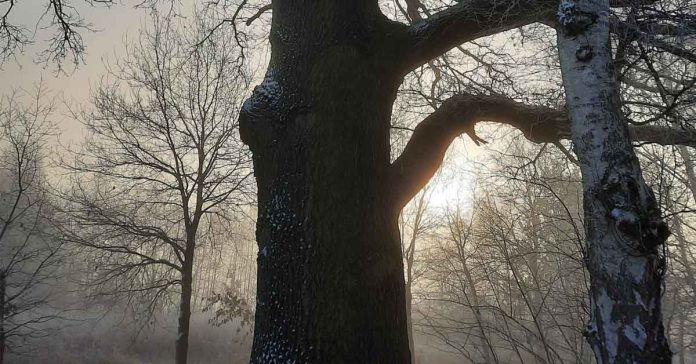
{"points": [[367, 181]]}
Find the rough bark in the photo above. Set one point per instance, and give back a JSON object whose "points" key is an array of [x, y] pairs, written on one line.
{"points": [[623, 224], [330, 274], [191, 226]]}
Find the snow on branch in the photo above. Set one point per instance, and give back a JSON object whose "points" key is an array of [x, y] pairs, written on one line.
{"points": [[653, 38], [468, 20]]}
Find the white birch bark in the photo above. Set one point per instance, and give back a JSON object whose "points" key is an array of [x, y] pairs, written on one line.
{"points": [[625, 232]]}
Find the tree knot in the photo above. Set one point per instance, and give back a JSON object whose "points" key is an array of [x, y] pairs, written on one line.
{"points": [[267, 97], [634, 213], [626, 220], [584, 53], [273, 100]]}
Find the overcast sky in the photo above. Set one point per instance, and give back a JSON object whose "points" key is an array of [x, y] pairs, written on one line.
{"points": [[114, 26], [111, 25]]}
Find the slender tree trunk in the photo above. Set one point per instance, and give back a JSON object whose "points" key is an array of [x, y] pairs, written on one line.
{"points": [[409, 324], [689, 167], [531, 288], [409, 300], [330, 272], [681, 341], [182, 335], [685, 256], [3, 284], [410, 255], [623, 225], [487, 350]]}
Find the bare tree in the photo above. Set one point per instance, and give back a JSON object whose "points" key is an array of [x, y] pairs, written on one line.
{"points": [[450, 267], [329, 193], [624, 226], [416, 223], [66, 25], [29, 256], [319, 126], [671, 171], [505, 278], [161, 165]]}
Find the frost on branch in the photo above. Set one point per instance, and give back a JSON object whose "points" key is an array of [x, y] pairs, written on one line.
{"points": [[266, 95], [572, 19], [566, 12]]}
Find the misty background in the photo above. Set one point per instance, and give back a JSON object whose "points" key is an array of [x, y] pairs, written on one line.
{"points": [[94, 221]]}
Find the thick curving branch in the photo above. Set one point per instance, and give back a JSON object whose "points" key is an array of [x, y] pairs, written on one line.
{"points": [[466, 21], [425, 150], [430, 37]]}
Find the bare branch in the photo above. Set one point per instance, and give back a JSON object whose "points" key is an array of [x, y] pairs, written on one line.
{"points": [[258, 14], [632, 30], [466, 21], [540, 124]]}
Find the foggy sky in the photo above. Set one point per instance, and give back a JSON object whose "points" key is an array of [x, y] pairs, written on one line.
{"points": [[111, 26]]}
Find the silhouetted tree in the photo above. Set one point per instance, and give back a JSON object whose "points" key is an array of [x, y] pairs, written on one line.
{"points": [[162, 162], [331, 282], [29, 254]]}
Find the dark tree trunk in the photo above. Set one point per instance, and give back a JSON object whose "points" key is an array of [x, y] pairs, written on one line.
{"points": [[330, 274], [182, 335]]}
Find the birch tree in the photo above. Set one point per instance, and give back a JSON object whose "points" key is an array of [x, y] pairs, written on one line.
{"points": [[625, 231], [329, 193], [331, 188]]}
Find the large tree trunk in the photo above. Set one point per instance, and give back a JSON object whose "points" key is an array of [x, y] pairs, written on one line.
{"points": [[184, 309], [330, 273], [624, 228]]}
